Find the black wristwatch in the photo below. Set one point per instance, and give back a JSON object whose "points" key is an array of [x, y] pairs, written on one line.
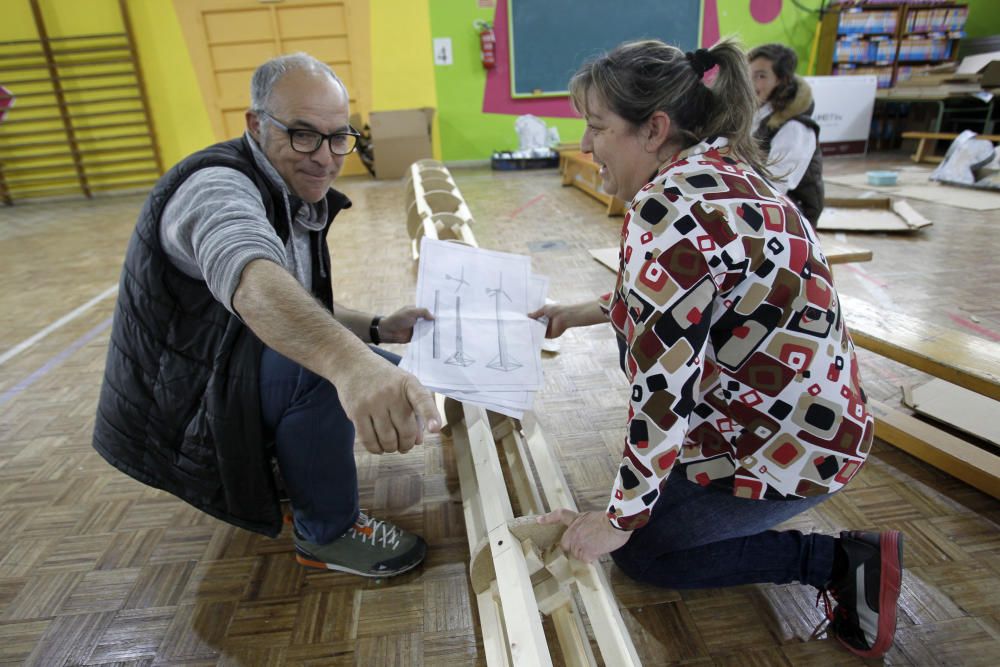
{"points": [[373, 330]]}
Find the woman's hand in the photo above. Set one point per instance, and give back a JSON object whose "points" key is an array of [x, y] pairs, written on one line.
{"points": [[398, 327], [589, 534], [563, 317]]}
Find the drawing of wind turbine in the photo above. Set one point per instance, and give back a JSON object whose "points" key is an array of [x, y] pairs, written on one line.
{"points": [[502, 362], [460, 280], [436, 337], [459, 358]]}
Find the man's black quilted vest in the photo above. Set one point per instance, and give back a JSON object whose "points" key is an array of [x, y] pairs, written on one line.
{"points": [[808, 194], [179, 407]]}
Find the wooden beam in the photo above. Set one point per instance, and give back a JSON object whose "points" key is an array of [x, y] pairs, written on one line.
{"points": [[573, 637], [968, 361], [960, 459], [602, 608], [57, 90], [526, 639]]}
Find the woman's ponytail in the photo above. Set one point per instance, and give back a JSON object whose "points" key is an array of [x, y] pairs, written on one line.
{"points": [[735, 103]]}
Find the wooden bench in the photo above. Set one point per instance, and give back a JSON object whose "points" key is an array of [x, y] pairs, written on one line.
{"points": [[517, 570], [927, 140], [953, 356], [435, 207], [578, 169]]}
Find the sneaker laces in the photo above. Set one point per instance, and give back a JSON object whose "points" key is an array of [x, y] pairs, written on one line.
{"points": [[370, 528], [830, 611]]}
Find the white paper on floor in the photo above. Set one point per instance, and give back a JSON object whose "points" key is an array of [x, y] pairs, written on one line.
{"points": [[481, 347]]}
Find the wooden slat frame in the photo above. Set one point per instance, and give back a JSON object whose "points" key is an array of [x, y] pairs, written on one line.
{"points": [[508, 608], [974, 466], [55, 55], [53, 71], [429, 181]]}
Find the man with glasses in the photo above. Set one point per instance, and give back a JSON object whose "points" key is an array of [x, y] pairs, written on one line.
{"points": [[228, 349]]}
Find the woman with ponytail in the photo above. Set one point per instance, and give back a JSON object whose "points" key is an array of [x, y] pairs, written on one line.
{"points": [[746, 406]]}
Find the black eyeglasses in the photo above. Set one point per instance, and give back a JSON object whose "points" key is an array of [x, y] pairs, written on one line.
{"points": [[309, 141]]}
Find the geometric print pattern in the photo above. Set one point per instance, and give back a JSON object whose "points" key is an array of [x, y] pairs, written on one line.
{"points": [[742, 370]]}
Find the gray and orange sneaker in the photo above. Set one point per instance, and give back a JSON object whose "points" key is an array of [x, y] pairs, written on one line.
{"points": [[866, 591], [370, 548]]}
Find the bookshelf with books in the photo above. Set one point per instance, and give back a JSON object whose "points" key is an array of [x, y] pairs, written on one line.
{"points": [[889, 40]]}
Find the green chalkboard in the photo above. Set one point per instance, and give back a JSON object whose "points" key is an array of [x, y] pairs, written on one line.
{"points": [[550, 39]]}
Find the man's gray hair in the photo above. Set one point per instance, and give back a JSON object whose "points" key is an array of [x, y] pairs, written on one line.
{"points": [[268, 74]]}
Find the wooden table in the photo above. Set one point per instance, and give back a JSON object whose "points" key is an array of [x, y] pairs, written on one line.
{"points": [[954, 356], [579, 170]]}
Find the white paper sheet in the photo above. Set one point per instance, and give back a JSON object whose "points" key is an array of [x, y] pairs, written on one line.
{"points": [[481, 347]]}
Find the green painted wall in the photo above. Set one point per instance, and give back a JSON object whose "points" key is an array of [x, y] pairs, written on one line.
{"points": [[984, 18], [794, 27], [466, 132], [469, 134]]}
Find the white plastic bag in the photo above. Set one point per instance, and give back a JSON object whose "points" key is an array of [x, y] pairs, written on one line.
{"points": [[966, 155]]}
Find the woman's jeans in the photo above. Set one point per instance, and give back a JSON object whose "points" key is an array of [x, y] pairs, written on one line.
{"points": [[700, 537], [314, 443]]}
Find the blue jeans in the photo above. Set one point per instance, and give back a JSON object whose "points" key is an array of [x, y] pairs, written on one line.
{"points": [[701, 537], [314, 445]]}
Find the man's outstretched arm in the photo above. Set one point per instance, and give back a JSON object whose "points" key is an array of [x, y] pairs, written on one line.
{"points": [[389, 407]]}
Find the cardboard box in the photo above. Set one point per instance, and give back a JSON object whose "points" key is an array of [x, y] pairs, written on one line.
{"points": [[985, 65], [399, 139], [990, 75]]}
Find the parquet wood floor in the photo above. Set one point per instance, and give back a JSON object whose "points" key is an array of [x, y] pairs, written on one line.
{"points": [[96, 569]]}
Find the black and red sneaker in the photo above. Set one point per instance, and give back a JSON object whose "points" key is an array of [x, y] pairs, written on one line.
{"points": [[866, 591]]}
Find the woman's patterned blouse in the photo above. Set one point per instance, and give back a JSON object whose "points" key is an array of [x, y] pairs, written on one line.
{"points": [[743, 373]]}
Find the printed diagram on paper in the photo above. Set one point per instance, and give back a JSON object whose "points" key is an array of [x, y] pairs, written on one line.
{"points": [[480, 346]]}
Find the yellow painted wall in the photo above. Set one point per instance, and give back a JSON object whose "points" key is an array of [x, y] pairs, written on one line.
{"points": [[402, 58], [177, 109], [182, 123]]}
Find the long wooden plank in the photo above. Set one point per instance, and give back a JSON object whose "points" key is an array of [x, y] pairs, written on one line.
{"points": [[594, 589], [573, 637], [491, 626], [945, 135], [974, 466], [475, 525], [959, 358], [554, 486], [490, 620], [520, 475], [526, 638]]}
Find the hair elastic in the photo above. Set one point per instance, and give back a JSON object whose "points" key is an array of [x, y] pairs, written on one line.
{"points": [[701, 61]]}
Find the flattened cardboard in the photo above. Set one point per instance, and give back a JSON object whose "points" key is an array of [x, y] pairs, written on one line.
{"points": [[606, 256], [958, 407], [874, 214]]}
